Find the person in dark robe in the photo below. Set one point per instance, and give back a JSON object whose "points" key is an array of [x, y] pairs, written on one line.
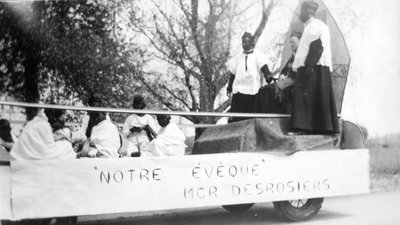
{"points": [[276, 97], [247, 71], [314, 109]]}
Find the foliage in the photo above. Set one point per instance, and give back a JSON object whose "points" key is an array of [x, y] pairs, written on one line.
{"points": [[66, 51], [195, 44]]}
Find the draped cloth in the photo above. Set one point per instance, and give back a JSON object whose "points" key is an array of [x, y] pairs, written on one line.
{"points": [[135, 120], [314, 109], [37, 142], [137, 140], [255, 135], [271, 100], [170, 141], [314, 29], [106, 139]]}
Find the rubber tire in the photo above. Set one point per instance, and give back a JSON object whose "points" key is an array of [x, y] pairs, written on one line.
{"points": [[72, 220], [293, 214], [238, 208]]}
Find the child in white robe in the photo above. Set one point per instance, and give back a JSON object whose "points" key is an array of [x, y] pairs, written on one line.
{"points": [[104, 141], [37, 142], [170, 140], [135, 128]]}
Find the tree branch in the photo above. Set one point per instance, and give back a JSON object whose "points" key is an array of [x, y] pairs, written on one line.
{"points": [[264, 19], [223, 106]]}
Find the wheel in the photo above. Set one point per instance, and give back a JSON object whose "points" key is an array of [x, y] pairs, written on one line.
{"points": [[298, 210], [238, 208], [48, 221], [352, 136]]}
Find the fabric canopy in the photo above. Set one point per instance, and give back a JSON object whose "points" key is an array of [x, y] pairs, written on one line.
{"points": [[340, 53]]}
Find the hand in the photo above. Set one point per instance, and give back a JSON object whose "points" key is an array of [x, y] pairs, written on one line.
{"points": [[269, 79], [280, 85], [135, 130], [229, 92]]}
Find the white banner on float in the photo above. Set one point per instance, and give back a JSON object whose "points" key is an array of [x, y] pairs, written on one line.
{"points": [[97, 186], [5, 191]]}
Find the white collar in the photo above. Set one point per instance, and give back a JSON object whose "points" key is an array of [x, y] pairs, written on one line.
{"points": [[248, 52]]}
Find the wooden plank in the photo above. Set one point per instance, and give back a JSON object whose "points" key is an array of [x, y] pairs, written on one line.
{"points": [[97, 186]]}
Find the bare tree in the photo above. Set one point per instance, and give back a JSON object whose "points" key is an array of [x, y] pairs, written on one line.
{"points": [[198, 42]]}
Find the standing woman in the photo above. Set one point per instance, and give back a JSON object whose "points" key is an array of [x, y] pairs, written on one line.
{"points": [[314, 108]]}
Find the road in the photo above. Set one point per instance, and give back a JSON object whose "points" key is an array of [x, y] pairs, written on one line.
{"points": [[371, 209]]}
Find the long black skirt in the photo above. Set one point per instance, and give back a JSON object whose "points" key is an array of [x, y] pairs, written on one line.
{"points": [[242, 103], [268, 101], [314, 108]]}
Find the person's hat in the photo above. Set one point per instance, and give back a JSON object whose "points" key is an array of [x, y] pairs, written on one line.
{"points": [[310, 5], [138, 102]]}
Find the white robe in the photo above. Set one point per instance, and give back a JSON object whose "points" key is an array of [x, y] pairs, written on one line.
{"points": [[137, 141], [37, 142], [138, 121], [251, 80], [170, 141], [4, 155], [106, 139], [314, 29]]}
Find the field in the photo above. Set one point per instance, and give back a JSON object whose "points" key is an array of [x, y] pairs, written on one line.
{"points": [[385, 163]]}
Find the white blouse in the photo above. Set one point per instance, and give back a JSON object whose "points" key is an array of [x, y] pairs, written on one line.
{"points": [[247, 80], [313, 30]]}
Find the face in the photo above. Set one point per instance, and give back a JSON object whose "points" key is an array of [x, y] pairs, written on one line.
{"points": [[102, 116], [247, 43], [5, 130], [163, 120], [97, 117], [294, 42], [62, 117], [304, 15]]}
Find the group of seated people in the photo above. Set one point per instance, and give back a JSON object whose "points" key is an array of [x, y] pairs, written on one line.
{"points": [[47, 137]]}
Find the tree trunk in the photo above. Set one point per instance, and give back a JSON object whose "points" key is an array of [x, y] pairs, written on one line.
{"points": [[33, 51], [206, 105]]}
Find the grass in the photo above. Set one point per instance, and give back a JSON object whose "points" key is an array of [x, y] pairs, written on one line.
{"points": [[385, 163]]}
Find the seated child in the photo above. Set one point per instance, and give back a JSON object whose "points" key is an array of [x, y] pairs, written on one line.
{"points": [[169, 141], [37, 140], [136, 128]]}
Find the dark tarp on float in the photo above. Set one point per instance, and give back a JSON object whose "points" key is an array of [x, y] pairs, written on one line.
{"points": [[259, 135]]}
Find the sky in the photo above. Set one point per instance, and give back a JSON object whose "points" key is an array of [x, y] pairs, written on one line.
{"points": [[374, 79]]}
